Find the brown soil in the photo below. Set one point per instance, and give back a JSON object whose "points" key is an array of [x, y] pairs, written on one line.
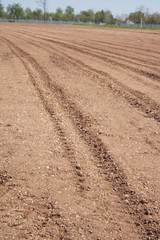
{"points": [[80, 133]]}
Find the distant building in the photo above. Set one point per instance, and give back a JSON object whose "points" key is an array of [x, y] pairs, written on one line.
{"points": [[129, 22]]}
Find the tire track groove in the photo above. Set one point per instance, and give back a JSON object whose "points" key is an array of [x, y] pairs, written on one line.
{"points": [[47, 103], [107, 58], [142, 211], [133, 97]]}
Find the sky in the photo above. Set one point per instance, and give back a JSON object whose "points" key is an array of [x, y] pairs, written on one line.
{"points": [[115, 6]]}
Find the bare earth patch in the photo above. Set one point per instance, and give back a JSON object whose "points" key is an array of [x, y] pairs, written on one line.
{"points": [[80, 133]]}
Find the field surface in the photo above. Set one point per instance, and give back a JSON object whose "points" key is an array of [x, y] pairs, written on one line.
{"points": [[80, 133]]}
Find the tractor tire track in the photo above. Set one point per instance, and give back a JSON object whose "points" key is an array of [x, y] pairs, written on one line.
{"points": [[112, 59], [134, 97], [36, 72], [103, 50], [107, 58], [139, 209], [142, 102]]}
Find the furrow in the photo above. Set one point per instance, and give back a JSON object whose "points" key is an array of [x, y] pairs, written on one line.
{"points": [[134, 97], [108, 58], [130, 48], [48, 104], [141, 210]]}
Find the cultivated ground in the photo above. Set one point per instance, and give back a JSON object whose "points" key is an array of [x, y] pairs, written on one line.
{"points": [[80, 133]]}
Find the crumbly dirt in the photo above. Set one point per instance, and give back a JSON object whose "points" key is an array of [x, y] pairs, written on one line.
{"points": [[80, 133]]}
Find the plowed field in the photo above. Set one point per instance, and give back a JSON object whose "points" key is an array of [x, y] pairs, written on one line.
{"points": [[80, 133]]}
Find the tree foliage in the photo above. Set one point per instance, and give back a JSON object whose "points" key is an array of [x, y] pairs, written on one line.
{"points": [[86, 16], [137, 17], [28, 14], [69, 13], [141, 15], [59, 14], [15, 11], [1, 10], [37, 14]]}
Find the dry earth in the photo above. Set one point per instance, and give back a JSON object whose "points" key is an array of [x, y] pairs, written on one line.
{"points": [[80, 133]]}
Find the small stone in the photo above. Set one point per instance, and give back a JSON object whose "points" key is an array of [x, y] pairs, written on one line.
{"points": [[78, 167]]}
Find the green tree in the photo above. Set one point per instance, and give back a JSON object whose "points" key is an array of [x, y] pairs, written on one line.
{"points": [[38, 14], [59, 14], [156, 18], [136, 17], [69, 13], [100, 17], [87, 16], [15, 11], [28, 13], [48, 16], [1, 10], [52, 16]]}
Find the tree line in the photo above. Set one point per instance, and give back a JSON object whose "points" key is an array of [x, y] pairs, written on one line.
{"points": [[15, 11]]}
